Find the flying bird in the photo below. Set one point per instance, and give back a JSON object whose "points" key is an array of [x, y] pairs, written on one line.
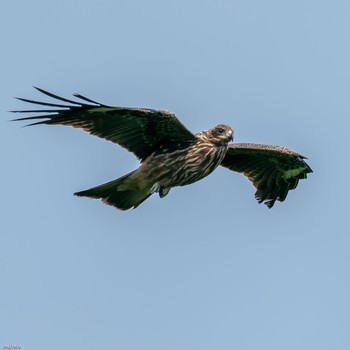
{"points": [[170, 154]]}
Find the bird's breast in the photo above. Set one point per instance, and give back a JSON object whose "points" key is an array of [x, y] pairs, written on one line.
{"points": [[185, 166]]}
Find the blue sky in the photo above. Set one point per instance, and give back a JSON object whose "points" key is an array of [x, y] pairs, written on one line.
{"points": [[206, 267]]}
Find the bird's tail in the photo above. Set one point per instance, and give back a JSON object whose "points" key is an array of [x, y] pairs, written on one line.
{"points": [[118, 193]]}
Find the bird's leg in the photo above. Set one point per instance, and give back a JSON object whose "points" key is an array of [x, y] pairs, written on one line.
{"points": [[155, 188]]}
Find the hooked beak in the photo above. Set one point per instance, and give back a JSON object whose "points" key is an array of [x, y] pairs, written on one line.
{"points": [[229, 135]]}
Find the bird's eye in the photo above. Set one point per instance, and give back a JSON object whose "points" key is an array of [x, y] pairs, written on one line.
{"points": [[220, 131]]}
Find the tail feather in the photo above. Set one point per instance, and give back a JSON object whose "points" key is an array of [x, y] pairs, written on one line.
{"points": [[121, 199]]}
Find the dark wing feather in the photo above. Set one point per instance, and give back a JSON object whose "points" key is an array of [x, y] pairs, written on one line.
{"points": [[273, 170], [139, 130]]}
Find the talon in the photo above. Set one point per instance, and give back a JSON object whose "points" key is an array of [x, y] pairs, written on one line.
{"points": [[164, 191]]}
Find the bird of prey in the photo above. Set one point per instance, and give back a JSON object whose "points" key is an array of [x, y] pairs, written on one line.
{"points": [[169, 153]]}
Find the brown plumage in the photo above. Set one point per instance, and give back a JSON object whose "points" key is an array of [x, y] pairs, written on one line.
{"points": [[170, 154]]}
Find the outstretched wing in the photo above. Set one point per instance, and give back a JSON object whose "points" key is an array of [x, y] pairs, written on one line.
{"points": [[139, 130], [273, 170]]}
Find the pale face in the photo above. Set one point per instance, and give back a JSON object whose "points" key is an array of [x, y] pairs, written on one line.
{"points": [[223, 133]]}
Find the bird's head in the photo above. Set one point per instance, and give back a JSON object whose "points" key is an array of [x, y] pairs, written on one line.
{"points": [[221, 134]]}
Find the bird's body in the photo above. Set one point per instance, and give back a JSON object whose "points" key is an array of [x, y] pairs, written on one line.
{"points": [[166, 168], [171, 155], [188, 165]]}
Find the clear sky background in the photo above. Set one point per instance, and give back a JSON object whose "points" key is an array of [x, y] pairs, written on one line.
{"points": [[206, 267]]}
